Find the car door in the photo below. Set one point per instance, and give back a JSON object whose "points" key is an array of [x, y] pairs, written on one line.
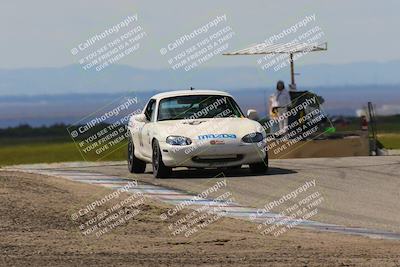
{"points": [[146, 131]]}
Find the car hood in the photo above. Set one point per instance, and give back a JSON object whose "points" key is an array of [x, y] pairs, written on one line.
{"points": [[215, 128]]}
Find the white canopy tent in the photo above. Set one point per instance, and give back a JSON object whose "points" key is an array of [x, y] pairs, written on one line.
{"points": [[288, 48]]}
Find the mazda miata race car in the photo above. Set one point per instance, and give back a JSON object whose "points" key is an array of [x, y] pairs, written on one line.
{"points": [[195, 129]]}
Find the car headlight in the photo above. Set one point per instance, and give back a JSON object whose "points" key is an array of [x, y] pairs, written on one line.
{"points": [[178, 140], [253, 138]]}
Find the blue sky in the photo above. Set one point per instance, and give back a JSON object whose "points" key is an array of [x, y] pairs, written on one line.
{"points": [[41, 33]]}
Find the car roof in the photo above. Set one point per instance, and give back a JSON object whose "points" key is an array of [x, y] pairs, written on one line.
{"points": [[189, 92]]}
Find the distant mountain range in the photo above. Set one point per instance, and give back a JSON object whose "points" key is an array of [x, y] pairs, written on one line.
{"points": [[117, 78]]}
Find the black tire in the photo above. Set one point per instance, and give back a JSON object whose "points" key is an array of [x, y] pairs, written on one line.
{"points": [[260, 167], [135, 165], [159, 169]]}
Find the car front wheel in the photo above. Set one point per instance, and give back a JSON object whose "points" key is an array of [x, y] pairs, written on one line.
{"points": [[260, 167], [135, 165], [159, 169]]}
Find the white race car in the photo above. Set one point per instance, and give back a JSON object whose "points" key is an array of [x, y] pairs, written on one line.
{"points": [[195, 129]]}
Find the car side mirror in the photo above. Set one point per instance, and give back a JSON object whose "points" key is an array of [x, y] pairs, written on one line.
{"points": [[252, 114], [141, 117]]}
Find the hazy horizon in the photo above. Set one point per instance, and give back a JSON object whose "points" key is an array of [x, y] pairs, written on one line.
{"points": [[69, 108]]}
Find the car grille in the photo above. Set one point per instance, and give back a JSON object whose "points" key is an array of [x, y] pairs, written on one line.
{"points": [[216, 159]]}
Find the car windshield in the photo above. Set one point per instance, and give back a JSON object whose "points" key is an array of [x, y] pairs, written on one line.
{"points": [[198, 107]]}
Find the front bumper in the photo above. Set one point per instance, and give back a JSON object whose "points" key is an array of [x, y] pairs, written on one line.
{"points": [[206, 155]]}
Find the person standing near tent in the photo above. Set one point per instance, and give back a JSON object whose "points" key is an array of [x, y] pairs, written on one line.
{"points": [[273, 114], [279, 103]]}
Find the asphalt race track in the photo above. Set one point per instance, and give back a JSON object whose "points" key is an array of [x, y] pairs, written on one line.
{"points": [[357, 191]]}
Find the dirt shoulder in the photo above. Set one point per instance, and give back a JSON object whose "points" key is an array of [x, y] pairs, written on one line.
{"points": [[36, 229]]}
